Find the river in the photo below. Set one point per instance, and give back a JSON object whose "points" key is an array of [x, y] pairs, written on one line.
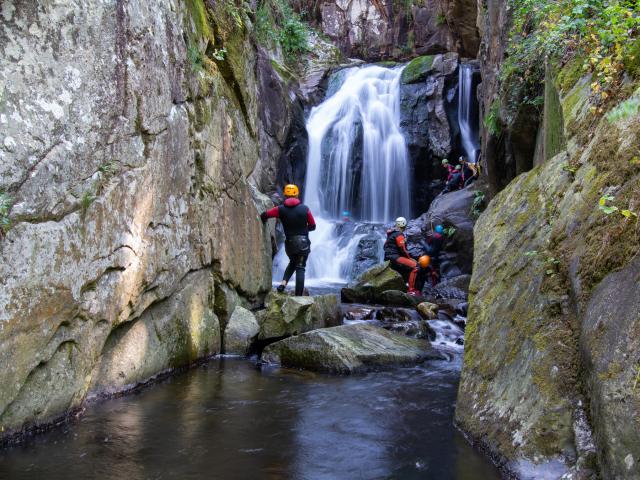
{"points": [[229, 419]]}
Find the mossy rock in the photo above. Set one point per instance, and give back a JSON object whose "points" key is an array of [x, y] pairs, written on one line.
{"points": [[417, 69], [372, 283], [349, 349]]}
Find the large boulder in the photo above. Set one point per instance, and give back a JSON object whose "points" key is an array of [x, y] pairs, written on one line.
{"points": [[428, 106], [451, 210], [371, 284], [348, 349], [288, 315], [240, 332]]}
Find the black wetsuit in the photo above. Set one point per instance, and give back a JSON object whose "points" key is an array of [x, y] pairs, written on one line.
{"points": [[297, 222]]}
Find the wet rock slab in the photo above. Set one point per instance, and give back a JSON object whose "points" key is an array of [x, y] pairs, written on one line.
{"points": [[289, 315], [372, 283], [349, 349]]}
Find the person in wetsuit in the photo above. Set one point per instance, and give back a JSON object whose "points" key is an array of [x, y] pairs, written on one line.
{"points": [[395, 251], [297, 221], [432, 246]]}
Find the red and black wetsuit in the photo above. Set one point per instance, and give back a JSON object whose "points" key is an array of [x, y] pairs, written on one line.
{"points": [[297, 222], [395, 250]]}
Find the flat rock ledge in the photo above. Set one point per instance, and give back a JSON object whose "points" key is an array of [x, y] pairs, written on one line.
{"points": [[348, 349]]}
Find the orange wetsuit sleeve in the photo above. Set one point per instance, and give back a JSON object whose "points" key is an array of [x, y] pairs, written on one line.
{"points": [[402, 246]]}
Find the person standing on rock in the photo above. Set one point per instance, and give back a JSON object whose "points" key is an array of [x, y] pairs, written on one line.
{"points": [[395, 251], [297, 221]]}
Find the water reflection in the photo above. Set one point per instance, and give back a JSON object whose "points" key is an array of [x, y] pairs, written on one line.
{"points": [[229, 420]]}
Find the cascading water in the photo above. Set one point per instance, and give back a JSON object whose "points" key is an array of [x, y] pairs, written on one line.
{"points": [[467, 113], [358, 160], [357, 163]]}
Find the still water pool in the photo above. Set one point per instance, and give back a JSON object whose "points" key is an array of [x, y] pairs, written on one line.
{"points": [[230, 419]]}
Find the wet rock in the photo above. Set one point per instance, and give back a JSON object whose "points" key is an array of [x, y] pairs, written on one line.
{"points": [[397, 298], [450, 210], [427, 115], [349, 349], [462, 309], [242, 328], [455, 287], [428, 311], [288, 315], [372, 283], [367, 254]]}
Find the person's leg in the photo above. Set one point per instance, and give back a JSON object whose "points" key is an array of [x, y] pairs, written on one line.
{"points": [[288, 273], [413, 266], [300, 267]]}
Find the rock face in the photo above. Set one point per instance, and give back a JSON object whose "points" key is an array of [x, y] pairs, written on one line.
{"points": [[383, 29], [287, 315], [553, 314], [242, 328], [451, 210], [127, 148], [372, 283], [348, 349], [428, 117]]}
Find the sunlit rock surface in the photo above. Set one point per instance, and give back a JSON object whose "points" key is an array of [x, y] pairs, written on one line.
{"points": [[127, 149]]}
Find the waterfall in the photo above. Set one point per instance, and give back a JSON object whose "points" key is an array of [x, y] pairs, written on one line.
{"points": [[467, 113], [358, 160], [357, 163]]}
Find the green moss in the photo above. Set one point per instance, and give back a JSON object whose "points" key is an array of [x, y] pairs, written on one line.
{"points": [[198, 14], [632, 60], [554, 141], [417, 69], [571, 73]]}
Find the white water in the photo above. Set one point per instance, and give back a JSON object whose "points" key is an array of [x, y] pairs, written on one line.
{"points": [[369, 99], [367, 105], [465, 113]]}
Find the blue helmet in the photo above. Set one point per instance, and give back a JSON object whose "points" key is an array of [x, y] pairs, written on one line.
{"points": [[439, 229]]}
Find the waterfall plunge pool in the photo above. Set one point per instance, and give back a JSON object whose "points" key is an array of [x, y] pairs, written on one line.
{"points": [[231, 420]]}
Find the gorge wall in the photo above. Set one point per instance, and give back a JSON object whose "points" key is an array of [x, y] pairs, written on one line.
{"points": [[134, 137], [549, 384], [390, 30]]}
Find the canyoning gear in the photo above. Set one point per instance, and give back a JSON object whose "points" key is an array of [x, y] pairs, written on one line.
{"points": [[451, 170], [414, 292], [424, 261], [439, 229], [445, 161], [406, 267], [291, 191], [395, 245], [281, 288], [458, 168], [432, 245], [401, 222], [297, 221], [296, 218]]}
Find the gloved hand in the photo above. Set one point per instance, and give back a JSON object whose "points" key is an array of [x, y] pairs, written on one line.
{"points": [[263, 217]]}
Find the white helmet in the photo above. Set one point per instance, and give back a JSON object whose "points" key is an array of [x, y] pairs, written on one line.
{"points": [[401, 222]]}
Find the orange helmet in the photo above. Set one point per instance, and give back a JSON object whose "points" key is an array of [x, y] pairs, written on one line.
{"points": [[291, 191], [424, 261]]}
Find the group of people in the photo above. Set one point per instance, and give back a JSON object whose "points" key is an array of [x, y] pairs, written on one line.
{"points": [[297, 221], [416, 272], [461, 175]]}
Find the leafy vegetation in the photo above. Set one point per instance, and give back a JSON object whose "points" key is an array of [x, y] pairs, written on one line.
{"points": [[277, 23], [597, 36], [478, 204], [608, 209], [5, 206], [492, 119]]}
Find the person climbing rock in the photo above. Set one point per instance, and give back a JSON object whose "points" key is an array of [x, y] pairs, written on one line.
{"points": [[297, 221], [455, 181], [469, 172], [432, 245], [450, 169], [395, 251], [426, 271]]}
